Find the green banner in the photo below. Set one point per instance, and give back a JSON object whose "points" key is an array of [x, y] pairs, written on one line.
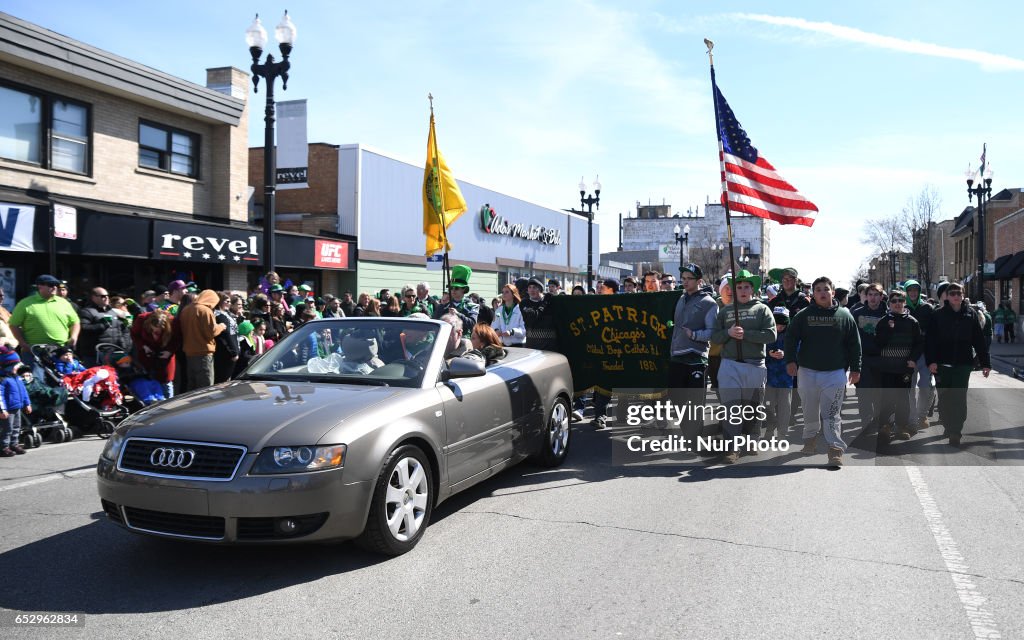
{"points": [[616, 341]]}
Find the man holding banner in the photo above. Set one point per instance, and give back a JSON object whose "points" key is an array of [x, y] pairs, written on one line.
{"points": [[694, 321]]}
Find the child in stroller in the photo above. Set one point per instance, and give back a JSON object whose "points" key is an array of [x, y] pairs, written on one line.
{"points": [[142, 390], [95, 403], [47, 418]]}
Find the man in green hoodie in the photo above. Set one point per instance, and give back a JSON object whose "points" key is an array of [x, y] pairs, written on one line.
{"points": [[743, 329], [921, 391], [822, 342]]}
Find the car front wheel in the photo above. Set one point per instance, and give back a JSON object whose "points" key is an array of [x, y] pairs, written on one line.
{"points": [[401, 504]]}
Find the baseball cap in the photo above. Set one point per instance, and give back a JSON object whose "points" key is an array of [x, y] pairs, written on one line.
{"points": [[48, 280], [176, 285]]}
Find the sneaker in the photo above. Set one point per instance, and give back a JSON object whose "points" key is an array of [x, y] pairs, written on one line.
{"points": [[835, 456], [810, 446], [600, 423], [954, 441], [906, 433], [731, 458], [576, 416], [18, 449], [885, 432], [7, 453], [922, 423]]}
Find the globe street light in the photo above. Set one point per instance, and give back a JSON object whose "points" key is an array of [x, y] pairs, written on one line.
{"points": [[256, 38], [683, 240], [590, 202], [982, 192]]}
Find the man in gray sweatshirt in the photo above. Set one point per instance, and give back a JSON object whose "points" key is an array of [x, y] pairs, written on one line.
{"points": [[694, 321]]}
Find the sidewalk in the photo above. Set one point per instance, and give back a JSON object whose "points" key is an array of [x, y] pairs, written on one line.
{"points": [[1007, 357]]}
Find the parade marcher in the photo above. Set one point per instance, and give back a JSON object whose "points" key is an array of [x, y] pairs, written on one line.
{"points": [[460, 304], [789, 294], [667, 282], [225, 355], [607, 287], [867, 317], [715, 351], [555, 287], [156, 341], [578, 290], [899, 337], [778, 392], [822, 342], [652, 281], [743, 329], [199, 330], [921, 391], [44, 318], [508, 318], [538, 317], [693, 323], [951, 342], [101, 324], [858, 299], [628, 285]]}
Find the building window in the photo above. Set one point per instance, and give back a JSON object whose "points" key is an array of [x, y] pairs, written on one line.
{"points": [[166, 149], [48, 131]]}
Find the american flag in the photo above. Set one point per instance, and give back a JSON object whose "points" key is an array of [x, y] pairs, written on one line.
{"points": [[749, 182]]}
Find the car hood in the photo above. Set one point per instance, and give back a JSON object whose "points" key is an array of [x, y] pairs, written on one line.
{"points": [[257, 414]]}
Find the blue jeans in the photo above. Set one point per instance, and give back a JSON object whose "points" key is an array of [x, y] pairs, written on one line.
{"points": [[10, 428]]}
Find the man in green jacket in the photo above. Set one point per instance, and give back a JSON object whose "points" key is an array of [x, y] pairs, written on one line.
{"points": [[743, 329], [822, 342]]}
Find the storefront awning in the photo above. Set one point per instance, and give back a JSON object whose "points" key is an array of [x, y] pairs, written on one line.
{"points": [[1011, 266]]}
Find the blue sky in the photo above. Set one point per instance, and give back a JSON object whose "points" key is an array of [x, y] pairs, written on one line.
{"points": [[859, 105]]}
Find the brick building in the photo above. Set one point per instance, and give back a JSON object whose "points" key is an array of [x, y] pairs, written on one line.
{"points": [[1004, 248]]}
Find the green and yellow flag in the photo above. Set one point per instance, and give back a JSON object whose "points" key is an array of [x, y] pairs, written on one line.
{"points": [[442, 200]]}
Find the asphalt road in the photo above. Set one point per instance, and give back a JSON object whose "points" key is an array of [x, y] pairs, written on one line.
{"points": [[922, 541]]}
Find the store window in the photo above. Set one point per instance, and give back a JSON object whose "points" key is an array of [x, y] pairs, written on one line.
{"points": [[45, 130], [167, 149]]}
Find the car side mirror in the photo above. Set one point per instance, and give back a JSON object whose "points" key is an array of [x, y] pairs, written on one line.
{"points": [[465, 368]]}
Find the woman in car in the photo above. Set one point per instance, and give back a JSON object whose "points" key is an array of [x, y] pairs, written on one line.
{"points": [[487, 343]]}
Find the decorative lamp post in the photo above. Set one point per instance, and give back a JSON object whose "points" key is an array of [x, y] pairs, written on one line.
{"points": [[591, 203], [983, 192], [256, 38], [683, 240]]}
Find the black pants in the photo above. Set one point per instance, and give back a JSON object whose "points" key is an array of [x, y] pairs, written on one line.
{"points": [[688, 386], [894, 396]]}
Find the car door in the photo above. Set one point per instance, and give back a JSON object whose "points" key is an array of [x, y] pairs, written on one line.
{"points": [[481, 421]]}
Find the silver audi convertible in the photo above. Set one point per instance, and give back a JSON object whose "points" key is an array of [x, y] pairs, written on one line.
{"points": [[348, 428]]}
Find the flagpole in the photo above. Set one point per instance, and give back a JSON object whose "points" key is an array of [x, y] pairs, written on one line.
{"points": [[445, 273], [725, 197]]}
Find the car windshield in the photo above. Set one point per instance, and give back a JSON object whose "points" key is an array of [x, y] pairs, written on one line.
{"points": [[365, 351]]}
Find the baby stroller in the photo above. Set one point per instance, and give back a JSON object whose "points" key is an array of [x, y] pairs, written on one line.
{"points": [[139, 389], [94, 403], [47, 418]]}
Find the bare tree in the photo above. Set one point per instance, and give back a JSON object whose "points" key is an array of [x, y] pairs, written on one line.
{"points": [[918, 218]]}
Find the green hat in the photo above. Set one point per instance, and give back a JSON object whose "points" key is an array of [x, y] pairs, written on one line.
{"points": [[776, 274], [460, 276], [745, 276], [305, 287], [276, 289], [245, 328], [911, 283]]}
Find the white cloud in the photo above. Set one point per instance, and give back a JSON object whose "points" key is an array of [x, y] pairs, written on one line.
{"points": [[987, 61]]}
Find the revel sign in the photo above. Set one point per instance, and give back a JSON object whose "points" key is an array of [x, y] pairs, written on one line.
{"points": [[205, 243]]}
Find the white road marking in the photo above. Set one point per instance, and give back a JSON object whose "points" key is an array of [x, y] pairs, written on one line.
{"points": [[53, 476], [982, 622]]}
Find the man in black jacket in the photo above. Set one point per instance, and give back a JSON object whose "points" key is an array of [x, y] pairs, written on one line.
{"points": [[901, 342], [921, 391], [100, 324], [538, 318], [867, 317], [951, 342]]}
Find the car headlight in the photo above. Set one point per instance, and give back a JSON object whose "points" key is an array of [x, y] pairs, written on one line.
{"points": [[299, 459], [113, 447]]}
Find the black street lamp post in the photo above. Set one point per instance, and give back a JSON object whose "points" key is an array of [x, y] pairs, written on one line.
{"points": [[683, 240], [256, 38], [983, 192], [590, 202]]}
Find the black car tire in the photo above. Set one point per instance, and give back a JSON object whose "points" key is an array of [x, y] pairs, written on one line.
{"points": [[377, 536], [556, 436]]}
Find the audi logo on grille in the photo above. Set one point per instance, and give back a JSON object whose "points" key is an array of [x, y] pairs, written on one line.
{"points": [[172, 458]]}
